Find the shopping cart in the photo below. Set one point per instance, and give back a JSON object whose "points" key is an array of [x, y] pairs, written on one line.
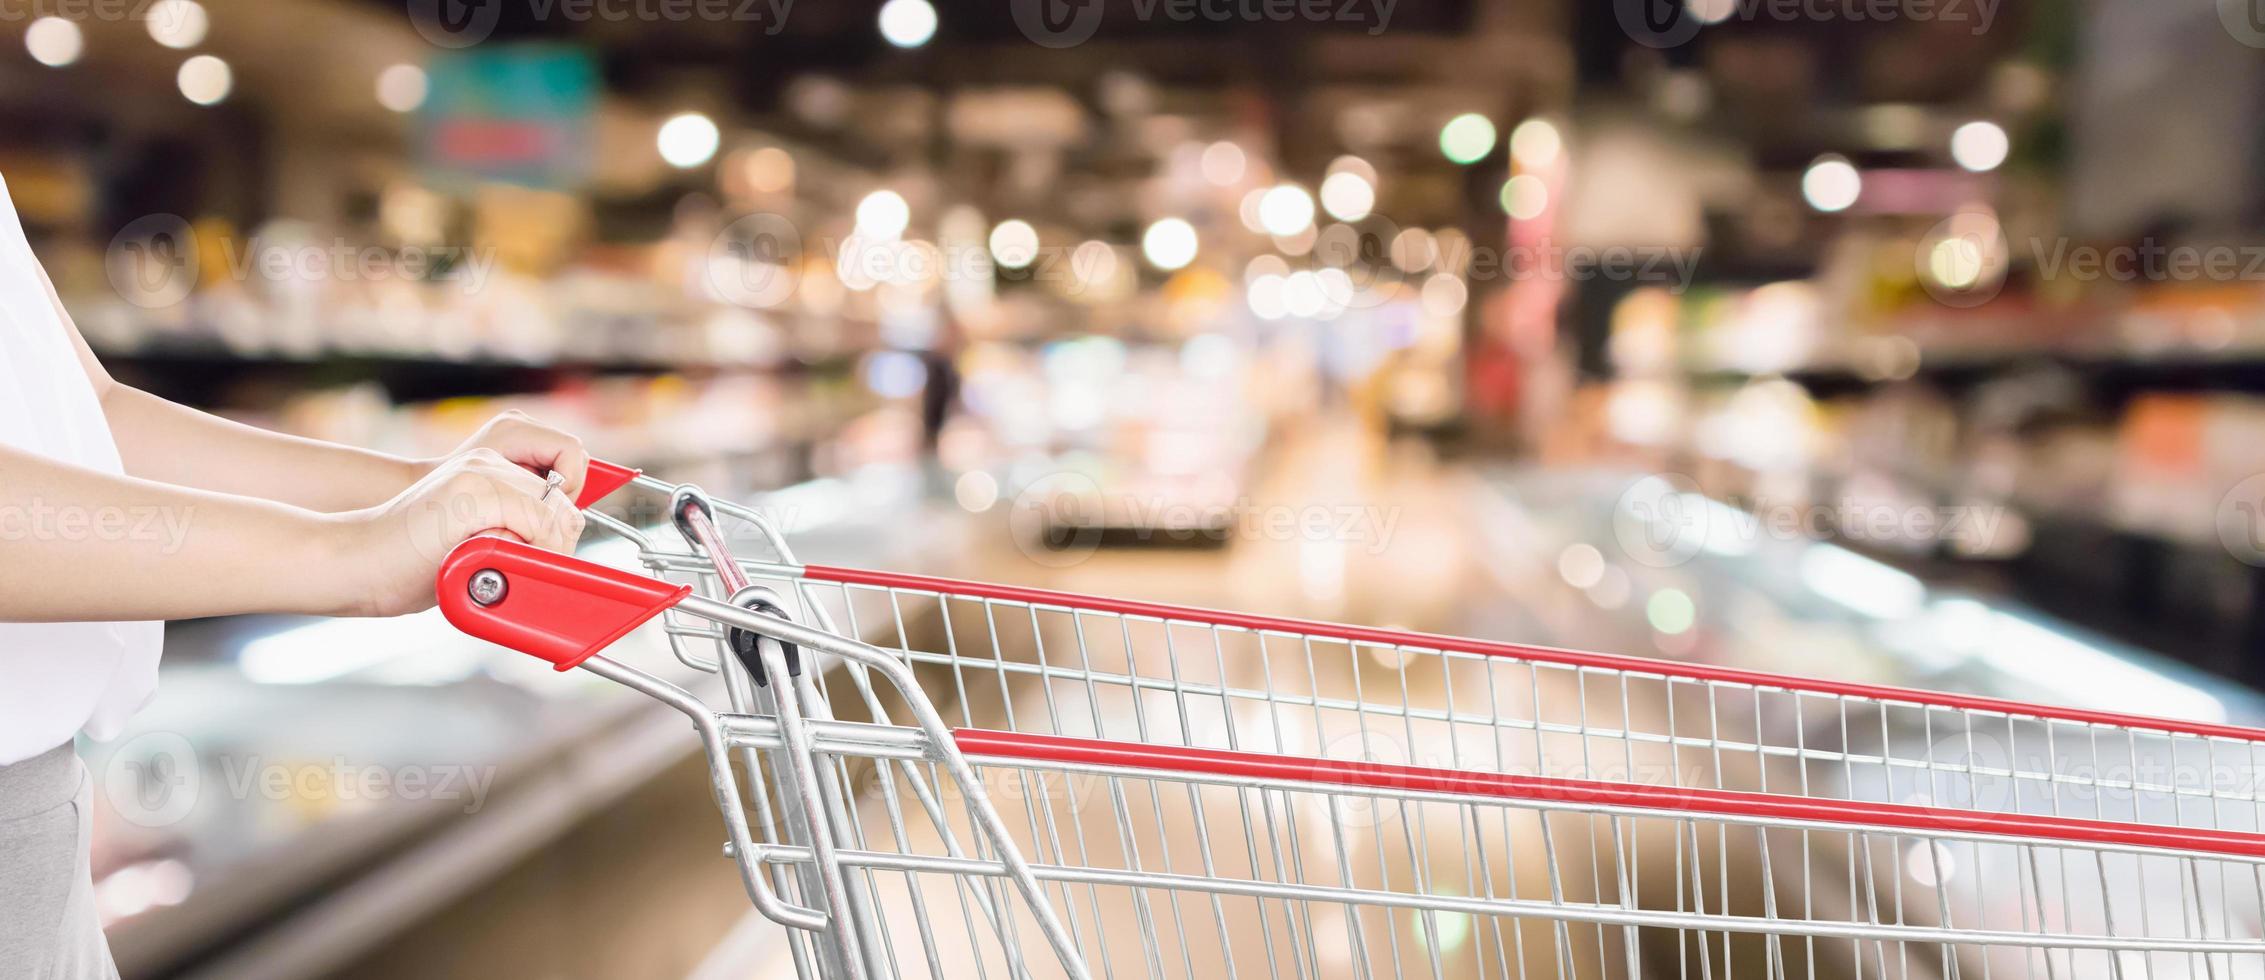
{"points": [[1172, 791]]}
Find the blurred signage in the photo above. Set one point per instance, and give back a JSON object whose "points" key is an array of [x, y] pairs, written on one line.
{"points": [[522, 114]]}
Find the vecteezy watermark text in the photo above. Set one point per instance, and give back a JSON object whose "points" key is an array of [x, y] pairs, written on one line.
{"points": [[39, 520], [1671, 23], [1068, 23], [1665, 521], [155, 261], [338, 779], [83, 11], [463, 23], [1964, 259], [159, 778], [339, 260]]}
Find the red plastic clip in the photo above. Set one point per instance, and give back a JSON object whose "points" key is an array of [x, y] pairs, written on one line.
{"points": [[557, 607], [603, 478]]}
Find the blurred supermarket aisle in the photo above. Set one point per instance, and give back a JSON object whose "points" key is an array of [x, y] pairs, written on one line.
{"points": [[1337, 523]]}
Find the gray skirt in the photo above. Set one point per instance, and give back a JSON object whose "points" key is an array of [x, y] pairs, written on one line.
{"points": [[48, 929]]}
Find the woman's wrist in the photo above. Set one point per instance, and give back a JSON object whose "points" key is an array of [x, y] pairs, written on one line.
{"points": [[414, 469], [331, 552]]}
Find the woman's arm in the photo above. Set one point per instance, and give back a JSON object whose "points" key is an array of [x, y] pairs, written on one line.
{"points": [[78, 544], [159, 440]]}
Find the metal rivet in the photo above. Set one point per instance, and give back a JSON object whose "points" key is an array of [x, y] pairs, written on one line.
{"points": [[488, 587]]}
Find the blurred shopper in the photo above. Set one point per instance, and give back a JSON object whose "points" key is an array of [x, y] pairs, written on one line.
{"points": [[119, 510]]}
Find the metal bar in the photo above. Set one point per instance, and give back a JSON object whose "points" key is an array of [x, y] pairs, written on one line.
{"points": [[1598, 914], [1885, 694], [1895, 817]]}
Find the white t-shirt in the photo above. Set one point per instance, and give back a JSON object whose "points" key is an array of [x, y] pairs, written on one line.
{"points": [[56, 679]]}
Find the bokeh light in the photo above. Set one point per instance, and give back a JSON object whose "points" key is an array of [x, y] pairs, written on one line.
{"points": [[1980, 145], [688, 139], [1467, 138], [1169, 244], [205, 80], [54, 42], [1831, 184], [908, 23]]}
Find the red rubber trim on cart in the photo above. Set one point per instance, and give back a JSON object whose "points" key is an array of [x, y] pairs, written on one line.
{"points": [[556, 607], [1546, 789], [603, 478], [1490, 648]]}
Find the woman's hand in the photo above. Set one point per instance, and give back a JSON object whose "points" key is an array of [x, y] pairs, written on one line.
{"points": [[393, 551], [533, 446]]}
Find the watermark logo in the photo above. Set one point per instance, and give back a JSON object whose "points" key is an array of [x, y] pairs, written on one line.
{"points": [[1057, 520], [1656, 23], [2244, 20], [2241, 521], [1058, 23], [455, 23], [1961, 261], [476, 502], [755, 261], [1661, 520], [1363, 811], [153, 779], [152, 262], [1965, 771]]}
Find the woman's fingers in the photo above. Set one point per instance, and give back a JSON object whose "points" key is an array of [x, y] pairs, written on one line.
{"points": [[537, 448], [572, 463], [496, 493]]}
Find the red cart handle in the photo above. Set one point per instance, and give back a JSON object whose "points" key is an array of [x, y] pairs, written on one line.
{"points": [[557, 607], [603, 478]]}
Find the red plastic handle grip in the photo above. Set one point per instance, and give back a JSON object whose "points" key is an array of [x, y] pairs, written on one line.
{"points": [[603, 478], [557, 607]]}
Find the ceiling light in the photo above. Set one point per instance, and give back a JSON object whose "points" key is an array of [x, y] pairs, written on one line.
{"points": [[401, 88], [1169, 244], [1285, 210], [177, 24], [54, 42], [1535, 143], [1467, 138], [1831, 183], [1223, 163], [883, 215], [1524, 197], [908, 23], [205, 80], [688, 139], [1014, 244], [1979, 146], [1346, 195]]}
